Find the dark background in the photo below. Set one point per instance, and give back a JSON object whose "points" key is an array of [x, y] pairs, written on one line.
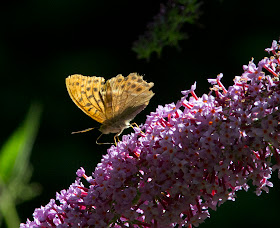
{"points": [[42, 42]]}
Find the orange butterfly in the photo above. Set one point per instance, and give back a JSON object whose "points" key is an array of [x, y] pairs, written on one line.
{"points": [[113, 103]]}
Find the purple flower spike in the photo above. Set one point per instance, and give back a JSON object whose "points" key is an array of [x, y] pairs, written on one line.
{"points": [[185, 159]]}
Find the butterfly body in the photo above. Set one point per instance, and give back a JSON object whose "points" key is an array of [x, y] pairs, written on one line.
{"points": [[113, 103], [121, 122]]}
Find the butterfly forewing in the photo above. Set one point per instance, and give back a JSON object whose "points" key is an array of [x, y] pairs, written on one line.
{"points": [[92, 87], [84, 91]]}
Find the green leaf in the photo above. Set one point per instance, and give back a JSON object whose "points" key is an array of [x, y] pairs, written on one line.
{"points": [[15, 153]]}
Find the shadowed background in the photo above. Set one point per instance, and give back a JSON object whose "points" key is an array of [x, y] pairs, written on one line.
{"points": [[42, 42]]}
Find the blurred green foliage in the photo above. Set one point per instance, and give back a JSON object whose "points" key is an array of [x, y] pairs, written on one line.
{"points": [[165, 30], [16, 170]]}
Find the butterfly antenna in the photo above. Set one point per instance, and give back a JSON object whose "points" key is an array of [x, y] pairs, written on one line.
{"points": [[98, 143], [89, 129]]}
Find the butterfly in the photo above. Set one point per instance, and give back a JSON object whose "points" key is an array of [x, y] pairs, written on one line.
{"points": [[113, 103]]}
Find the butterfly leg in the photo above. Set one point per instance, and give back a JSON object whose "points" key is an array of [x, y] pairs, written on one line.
{"points": [[136, 125], [98, 143], [116, 137], [97, 140]]}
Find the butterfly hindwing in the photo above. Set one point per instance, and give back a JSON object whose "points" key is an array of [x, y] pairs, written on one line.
{"points": [[117, 83], [85, 92], [132, 91]]}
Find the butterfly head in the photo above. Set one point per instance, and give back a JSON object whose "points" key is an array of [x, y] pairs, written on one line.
{"points": [[116, 127]]}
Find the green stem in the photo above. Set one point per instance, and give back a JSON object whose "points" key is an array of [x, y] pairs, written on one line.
{"points": [[8, 210]]}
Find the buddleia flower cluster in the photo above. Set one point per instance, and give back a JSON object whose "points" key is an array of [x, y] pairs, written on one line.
{"points": [[189, 156]]}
